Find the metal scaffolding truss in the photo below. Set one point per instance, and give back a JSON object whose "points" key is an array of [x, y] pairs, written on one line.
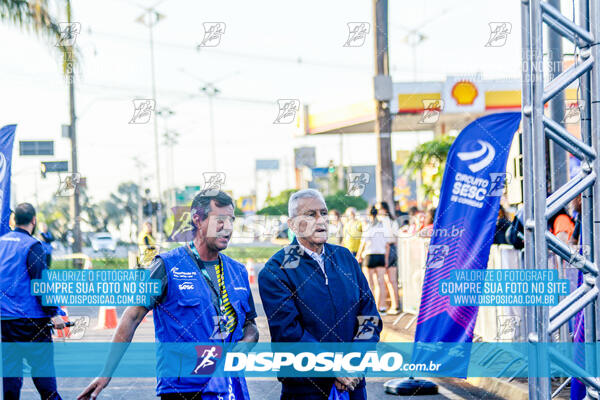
{"points": [[538, 206]]}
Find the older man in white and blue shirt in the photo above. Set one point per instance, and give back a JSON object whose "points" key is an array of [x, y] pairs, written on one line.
{"points": [[313, 291]]}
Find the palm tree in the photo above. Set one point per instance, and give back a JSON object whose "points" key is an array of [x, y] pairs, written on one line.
{"points": [[430, 154], [33, 16], [30, 15]]}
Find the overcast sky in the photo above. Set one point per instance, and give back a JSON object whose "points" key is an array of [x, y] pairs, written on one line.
{"points": [[270, 50]]}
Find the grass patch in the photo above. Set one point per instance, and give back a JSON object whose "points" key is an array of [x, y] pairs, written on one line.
{"points": [[239, 253], [98, 263], [258, 254]]}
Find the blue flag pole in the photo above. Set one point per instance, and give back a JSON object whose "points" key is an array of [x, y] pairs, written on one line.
{"points": [[7, 136], [463, 232]]}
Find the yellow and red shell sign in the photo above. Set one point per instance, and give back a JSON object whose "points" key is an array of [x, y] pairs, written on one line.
{"points": [[464, 92]]}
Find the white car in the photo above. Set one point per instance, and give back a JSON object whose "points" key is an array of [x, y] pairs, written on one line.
{"points": [[103, 241]]}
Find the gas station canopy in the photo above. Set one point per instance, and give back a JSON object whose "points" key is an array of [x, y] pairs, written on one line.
{"points": [[426, 106]]}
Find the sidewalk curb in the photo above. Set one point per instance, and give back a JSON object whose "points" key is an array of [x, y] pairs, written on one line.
{"points": [[501, 388], [495, 386]]}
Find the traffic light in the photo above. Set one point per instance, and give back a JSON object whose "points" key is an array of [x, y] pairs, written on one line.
{"points": [[331, 169], [43, 170], [149, 208]]}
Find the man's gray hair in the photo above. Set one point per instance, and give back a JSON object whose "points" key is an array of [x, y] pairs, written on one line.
{"points": [[302, 194]]}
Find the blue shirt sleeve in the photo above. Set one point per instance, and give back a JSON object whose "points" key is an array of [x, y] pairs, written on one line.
{"points": [[278, 302], [36, 263]]}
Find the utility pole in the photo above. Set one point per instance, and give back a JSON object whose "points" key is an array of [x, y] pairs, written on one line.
{"points": [[75, 204], [383, 94], [150, 18]]}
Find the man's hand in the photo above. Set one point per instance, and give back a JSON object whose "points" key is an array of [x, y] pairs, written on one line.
{"points": [[57, 322], [93, 389], [346, 383]]}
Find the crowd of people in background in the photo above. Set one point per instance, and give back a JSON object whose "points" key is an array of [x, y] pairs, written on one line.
{"points": [[372, 238], [565, 225]]}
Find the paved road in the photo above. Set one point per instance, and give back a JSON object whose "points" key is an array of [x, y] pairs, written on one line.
{"points": [[260, 388]]}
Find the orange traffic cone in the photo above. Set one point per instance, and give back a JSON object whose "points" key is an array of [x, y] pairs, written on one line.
{"points": [[107, 317], [250, 269]]}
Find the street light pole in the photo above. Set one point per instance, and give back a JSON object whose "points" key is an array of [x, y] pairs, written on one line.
{"points": [[75, 202], [170, 140], [150, 18], [140, 213], [211, 91]]}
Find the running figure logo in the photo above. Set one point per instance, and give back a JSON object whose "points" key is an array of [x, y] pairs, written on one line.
{"points": [[572, 113], [499, 32], [213, 181], [436, 255], [68, 33], [291, 257], [432, 109], [508, 327], [366, 327], [357, 183], [287, 111], [357, 33], [142, 110], [207, 359], [182, 225], [66, 187], [212, 34], [498, 181]]}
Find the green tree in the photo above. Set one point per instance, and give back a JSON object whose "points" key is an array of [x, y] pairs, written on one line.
{"points": [[340, 201], [34, 16], [109, 214], [278, 205], [55, 213], [122, 206], [430, 154]]}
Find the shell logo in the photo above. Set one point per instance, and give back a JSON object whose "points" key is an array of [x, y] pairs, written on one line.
{"points": [[464, 92]]}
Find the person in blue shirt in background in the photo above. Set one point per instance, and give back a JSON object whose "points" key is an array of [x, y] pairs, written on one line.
{"points": [[24, 318], [46, 239], [313, 291]]}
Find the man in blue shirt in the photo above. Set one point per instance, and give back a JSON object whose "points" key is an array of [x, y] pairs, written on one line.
{"points": [[205, 297], [46, 240], [313, 291], [24, 318]]}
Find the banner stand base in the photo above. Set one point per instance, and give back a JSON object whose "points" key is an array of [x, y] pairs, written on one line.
{"points": [[410, 387]]}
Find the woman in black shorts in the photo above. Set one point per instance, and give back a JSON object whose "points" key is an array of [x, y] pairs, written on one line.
{"points": [[373, 252], [391, 270]]}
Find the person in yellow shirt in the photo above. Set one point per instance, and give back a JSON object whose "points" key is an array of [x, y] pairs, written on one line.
{"points": [[352, 231], [147, 245]]}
